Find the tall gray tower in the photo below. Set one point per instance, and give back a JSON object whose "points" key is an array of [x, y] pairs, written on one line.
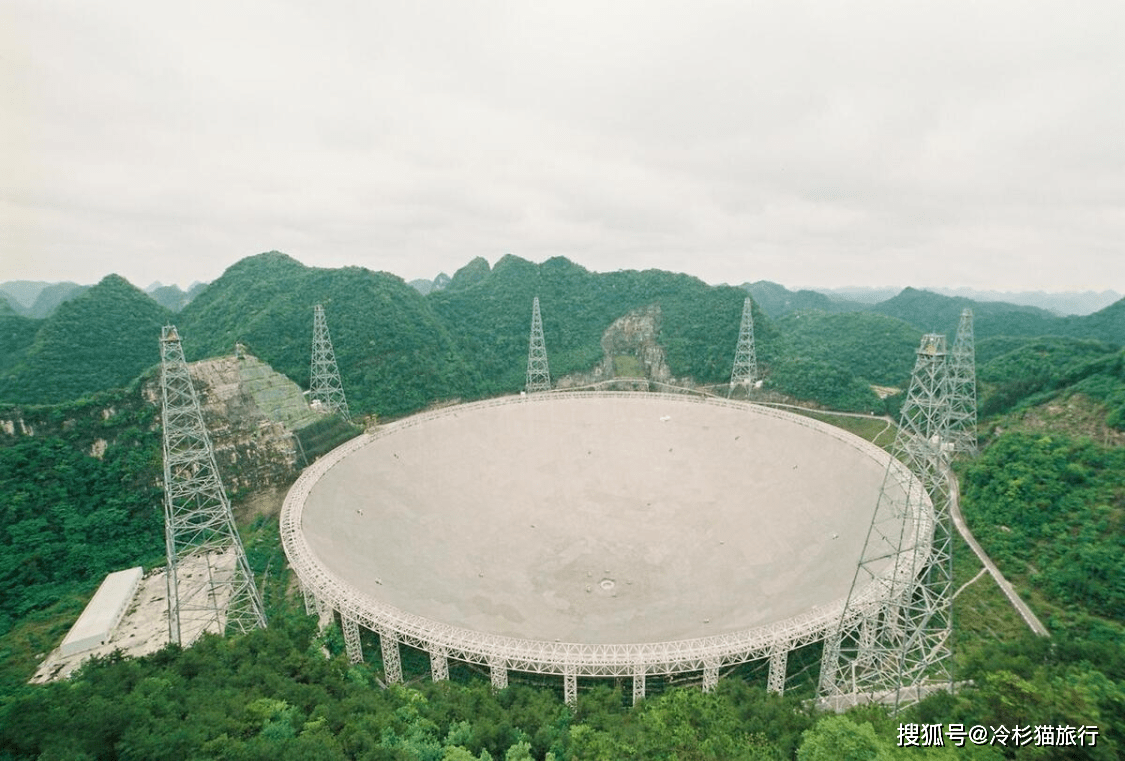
{"points": [[745, 370], [538, 375], [325, 387], [963, 388], [210, 586], [899, 637]]}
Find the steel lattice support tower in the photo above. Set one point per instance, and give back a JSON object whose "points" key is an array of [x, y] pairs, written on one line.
{"points": [[324, 384], [745, 370], [538, 375], [963, 388], [902, 638], [210, 585]]}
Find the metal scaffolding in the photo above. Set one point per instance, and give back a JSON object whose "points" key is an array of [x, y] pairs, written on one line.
{"points": [[963, 388], [439, 664], [352, 644], [392, 660], [325, 388], [538, 375], [745, 371], [899, 637], [210, 586]]}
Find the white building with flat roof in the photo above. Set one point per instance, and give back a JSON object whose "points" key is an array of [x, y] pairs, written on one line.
{"points": [[103, 612]]}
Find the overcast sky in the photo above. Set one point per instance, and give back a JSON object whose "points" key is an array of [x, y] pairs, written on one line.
{"points": [[947, 143]]}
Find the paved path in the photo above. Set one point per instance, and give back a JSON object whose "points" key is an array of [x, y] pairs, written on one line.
{"points": [[1005, 586]]}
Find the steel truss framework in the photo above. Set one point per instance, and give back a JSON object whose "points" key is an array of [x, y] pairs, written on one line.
{"points": [[210, 586], [902, 640], [745, 370], [573, 659], [963, 388], [538, 374], [324, 384]]}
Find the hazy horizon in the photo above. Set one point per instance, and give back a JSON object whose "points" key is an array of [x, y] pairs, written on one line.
{"points": [[960, 144], [844, 291]]}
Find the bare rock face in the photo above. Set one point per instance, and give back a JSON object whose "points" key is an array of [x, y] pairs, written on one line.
{"points": [[632, 354], [631, 348], [251, 412]]}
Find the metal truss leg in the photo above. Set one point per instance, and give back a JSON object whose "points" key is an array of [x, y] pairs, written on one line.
{"points": [[779, 659], [310, 602], [499, 674], [830, 665], [866, 651], [392, 664], [710, 676], [439, 664], [570, 688], [324, 614], [638, 684], [351, 639]]}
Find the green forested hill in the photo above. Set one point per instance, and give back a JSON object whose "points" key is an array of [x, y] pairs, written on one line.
{"points": [[53, 296], [778, 301], [103, 339], [42, 298], [934, 313], [16, 335], [1026, 371], [489, 313], [875, 348], [80, 497], [394, 355], [399, 351], [174, 299], [1104, 325], [834, 359]]}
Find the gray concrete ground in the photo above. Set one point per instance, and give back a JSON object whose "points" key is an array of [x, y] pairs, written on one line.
{"points": [[142, 630]]}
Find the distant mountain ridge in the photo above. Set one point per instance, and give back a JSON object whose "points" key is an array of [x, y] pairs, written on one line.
{"points": [[40, 299], [400, 350], [172, 297], [1062, 304], [102, 339], [778, 301], [424, 286], [934, 312]]}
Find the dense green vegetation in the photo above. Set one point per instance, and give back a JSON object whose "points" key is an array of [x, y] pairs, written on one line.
{"points": [[491, 312], [16, 335], [1051, 510], [1018, 372], [101, 340], [272, 695], [394, 356], [934, 313], [79, 497], [399, 351], [777, 301], [834, 359], [324, 435], [44, 298], [877, 350]]}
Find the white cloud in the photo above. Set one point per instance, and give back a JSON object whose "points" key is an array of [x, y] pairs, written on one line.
{"points": [[824, 143]]}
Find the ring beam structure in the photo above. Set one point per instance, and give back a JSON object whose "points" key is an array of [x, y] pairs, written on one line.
{"points": [[597, 534]]}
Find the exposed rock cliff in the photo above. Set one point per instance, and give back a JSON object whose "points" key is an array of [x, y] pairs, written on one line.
{"points": [[630, 350], [251, 412]]}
